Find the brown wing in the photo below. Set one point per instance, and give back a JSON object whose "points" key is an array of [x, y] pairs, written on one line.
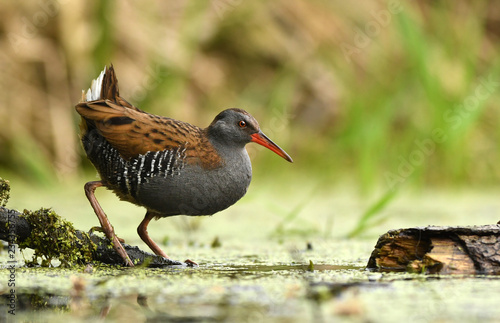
{"points": [[133, 132]]}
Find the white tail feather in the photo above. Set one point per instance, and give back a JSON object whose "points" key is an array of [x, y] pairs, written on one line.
{"points": [[94, 92]]}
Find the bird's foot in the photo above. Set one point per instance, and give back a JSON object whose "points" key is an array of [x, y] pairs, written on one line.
{"points": [[190, 263], [121, 251], [100, 229]]}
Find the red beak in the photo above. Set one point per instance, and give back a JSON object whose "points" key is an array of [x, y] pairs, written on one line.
{"points": [[262, 139]]}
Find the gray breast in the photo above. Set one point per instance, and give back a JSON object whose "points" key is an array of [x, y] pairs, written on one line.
{"points": [[197, 191]]}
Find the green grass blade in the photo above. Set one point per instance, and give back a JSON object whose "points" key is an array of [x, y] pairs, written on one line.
{"points": [[372, 213]]}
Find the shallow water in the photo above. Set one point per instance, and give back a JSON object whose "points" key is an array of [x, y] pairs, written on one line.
{"points": [[261, 272], [231, 286]]}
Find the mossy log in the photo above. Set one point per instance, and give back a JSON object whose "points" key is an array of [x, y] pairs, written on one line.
{"points": [[439, 250], [59, 240]]}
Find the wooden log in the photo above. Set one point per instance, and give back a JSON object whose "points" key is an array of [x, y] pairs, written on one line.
{"points": [[439, 250], [17, 228]]}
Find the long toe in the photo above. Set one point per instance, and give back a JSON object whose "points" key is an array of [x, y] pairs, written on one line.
{"points": [[190, 263]]}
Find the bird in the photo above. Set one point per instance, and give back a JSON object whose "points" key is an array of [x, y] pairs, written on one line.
{"points": [[167, 166]]}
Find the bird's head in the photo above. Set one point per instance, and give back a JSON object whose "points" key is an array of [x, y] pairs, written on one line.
{"points": [[236, 127]]}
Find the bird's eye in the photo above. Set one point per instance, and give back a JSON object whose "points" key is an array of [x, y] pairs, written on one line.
{"points": [[242, 124]]}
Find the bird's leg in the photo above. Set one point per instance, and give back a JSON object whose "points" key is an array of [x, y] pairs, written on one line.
{"points": [[103, 219], [142, 230]]}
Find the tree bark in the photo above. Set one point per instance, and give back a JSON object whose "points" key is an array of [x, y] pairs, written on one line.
{"points": [[443, 250]]}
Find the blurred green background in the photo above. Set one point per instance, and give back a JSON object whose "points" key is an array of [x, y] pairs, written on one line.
{"points": [[377, 96]]}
